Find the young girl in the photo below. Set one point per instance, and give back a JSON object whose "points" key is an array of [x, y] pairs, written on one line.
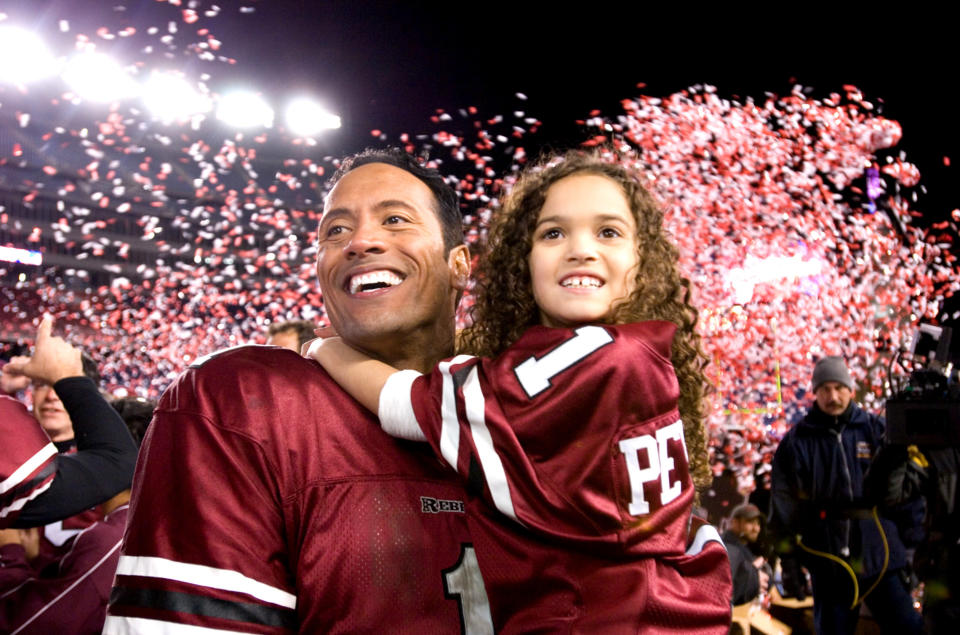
{"points": [[574, 423]]}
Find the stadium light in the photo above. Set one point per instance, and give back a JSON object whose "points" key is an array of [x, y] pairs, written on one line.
{"points": [[169, 97], [98, 78], [306, 117], [244, 109], [24, 256], [24, 58]]}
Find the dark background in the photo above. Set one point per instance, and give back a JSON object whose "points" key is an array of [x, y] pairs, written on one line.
{"points": [[389, 65]]}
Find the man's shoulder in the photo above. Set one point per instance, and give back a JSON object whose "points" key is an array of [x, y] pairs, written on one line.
{"points": [[250, 387], [233, 371], [250, 358]]}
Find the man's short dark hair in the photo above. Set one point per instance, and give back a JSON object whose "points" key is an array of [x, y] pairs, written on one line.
{"points": [[447, 205], [303, 329]]}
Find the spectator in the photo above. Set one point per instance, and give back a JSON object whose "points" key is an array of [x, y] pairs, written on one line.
{"points": [[751, 574], [293, 334]]}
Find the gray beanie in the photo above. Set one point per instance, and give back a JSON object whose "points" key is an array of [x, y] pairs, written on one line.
{"points": [[832, 368]]}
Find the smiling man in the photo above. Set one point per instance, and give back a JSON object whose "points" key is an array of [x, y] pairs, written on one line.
{"points": [[267, 500]]}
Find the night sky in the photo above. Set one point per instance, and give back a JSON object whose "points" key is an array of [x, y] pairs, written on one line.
{"points": [[389, 65]]}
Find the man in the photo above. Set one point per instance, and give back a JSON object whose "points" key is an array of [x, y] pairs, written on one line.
{"points": [[293, 334], [268, 500], [750, 572], [820, 518]]}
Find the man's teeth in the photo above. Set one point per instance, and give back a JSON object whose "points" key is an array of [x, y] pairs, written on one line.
{"points": [[581, 281], [374, 279]]}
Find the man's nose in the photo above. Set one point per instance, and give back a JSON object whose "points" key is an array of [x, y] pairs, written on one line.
{"points": [[367, 238]]}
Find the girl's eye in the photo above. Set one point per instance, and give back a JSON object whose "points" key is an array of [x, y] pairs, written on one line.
{"points": [[610, 232], [551, 234]]}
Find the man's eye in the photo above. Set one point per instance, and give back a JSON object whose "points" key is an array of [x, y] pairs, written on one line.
{"points": [[334, 230], [394, 219]]}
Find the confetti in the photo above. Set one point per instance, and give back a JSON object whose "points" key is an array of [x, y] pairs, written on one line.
{"points": [[795, 248]]}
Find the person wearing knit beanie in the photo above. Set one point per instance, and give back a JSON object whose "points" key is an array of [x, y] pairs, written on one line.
{"points": [[832, 368], [832, 385]]}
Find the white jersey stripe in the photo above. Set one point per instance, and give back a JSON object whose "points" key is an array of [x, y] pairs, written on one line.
{"points": [[395, 408], [706, 533], [493, 471], [122, 625], [224, 579], [27, 467], [20, 502], [450, 427]]}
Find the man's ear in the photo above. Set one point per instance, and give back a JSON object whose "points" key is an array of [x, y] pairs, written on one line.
{"points": [[458, 260]]}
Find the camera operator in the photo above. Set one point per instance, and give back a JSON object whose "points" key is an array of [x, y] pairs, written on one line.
{"points": [[920, 467]]}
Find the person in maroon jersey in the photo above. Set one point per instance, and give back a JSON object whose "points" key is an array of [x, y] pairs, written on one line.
{"points": [[57, 421], [28, 460], [38, 485], [69, 592], [580, 434], [267, 500]]}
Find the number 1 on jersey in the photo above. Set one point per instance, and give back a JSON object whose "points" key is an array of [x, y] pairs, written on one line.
{"points": [[535, 374], [463, 583]]}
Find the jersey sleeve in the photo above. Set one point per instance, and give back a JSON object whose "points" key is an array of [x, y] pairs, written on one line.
{"points": [[574, 434], [28, 462], [102, 466], [204, 544]]}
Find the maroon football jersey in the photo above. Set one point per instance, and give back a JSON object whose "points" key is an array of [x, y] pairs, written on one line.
{"points": [[54, 535], [69, 594], [574, 434], [266, 500], [27, 462]]}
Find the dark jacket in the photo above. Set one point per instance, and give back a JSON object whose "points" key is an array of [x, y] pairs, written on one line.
{"points": [[746, 578], [817, 493]]}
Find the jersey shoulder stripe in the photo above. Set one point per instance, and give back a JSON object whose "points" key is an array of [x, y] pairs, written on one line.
{"points": [[30, 480], [450, 423], [123, 625], [202, 575], [195, 594], [493, 470], [27, 467], [130, 599]]}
